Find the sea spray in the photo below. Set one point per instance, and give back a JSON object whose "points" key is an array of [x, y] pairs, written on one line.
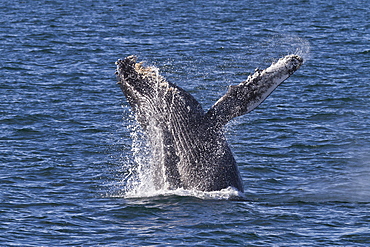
{"points": [[147, 175], [283, 44]]}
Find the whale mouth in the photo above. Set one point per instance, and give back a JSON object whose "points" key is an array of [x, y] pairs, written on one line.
{"points": [[127, 71], [134, 79], [137, 80]]}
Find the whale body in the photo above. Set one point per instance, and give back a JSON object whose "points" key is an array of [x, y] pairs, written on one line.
{"points": [[188, 146]]}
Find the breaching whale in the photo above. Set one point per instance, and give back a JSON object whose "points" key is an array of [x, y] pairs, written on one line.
{"points": [[188, 146]]}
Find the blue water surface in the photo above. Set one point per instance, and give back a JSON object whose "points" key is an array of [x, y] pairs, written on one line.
{"points": [[66, 136]]}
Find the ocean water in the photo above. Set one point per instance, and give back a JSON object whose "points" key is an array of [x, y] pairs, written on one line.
{"points": [[68, 140]]}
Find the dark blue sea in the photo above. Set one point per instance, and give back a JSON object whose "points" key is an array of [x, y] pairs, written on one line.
{"points": [[69, 142]]}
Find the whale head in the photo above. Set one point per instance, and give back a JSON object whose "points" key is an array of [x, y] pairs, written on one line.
{"points": [[137, 80], [150, 95]]}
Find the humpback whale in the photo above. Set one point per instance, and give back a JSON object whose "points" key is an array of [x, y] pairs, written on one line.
{"points": [[189, 149]]}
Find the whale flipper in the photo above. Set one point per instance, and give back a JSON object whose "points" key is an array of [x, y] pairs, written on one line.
{"points": [[189, 149], [243, 98]]}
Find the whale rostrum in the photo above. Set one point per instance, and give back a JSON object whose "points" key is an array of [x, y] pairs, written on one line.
{"points": [[188, 146]]}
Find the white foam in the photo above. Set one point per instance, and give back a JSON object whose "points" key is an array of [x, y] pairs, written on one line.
{"points": [[229, 193]]}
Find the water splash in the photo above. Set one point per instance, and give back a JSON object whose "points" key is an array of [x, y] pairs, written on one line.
{"points": [[302, 48], [141, 154], [284, 44], [139, 181], [229, 193]]}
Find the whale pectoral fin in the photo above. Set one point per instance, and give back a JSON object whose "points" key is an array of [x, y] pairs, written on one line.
{"points": [[243, 98]]}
